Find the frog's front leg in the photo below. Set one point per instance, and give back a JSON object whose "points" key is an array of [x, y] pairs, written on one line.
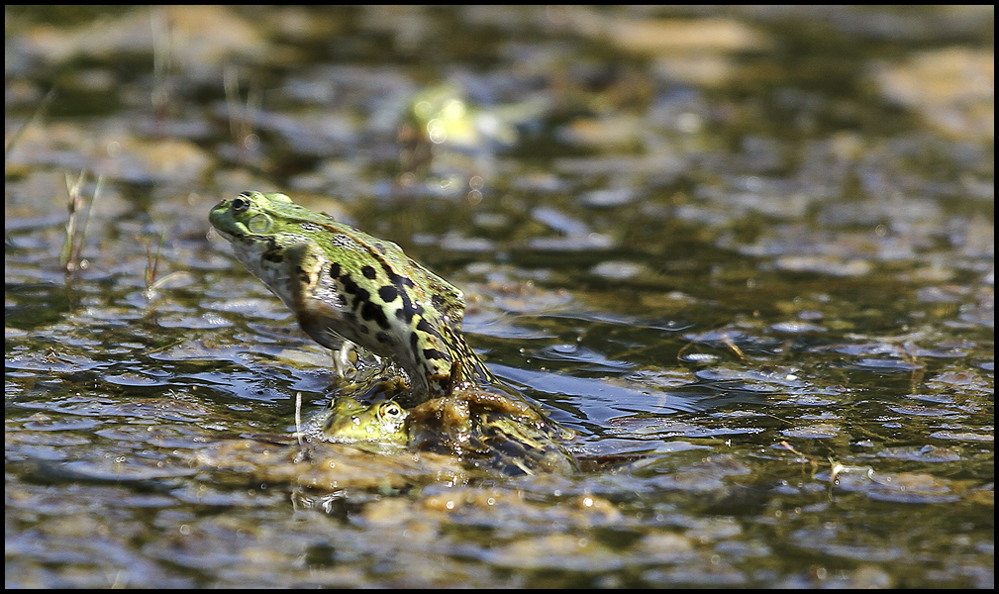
{"points": [[344, 361], [320, 310]]}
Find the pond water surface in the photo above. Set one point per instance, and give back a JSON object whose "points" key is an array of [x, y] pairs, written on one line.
{"points": [[747, 255]]}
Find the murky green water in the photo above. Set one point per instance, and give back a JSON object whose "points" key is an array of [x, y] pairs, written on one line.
{"points": [[747, 255]]}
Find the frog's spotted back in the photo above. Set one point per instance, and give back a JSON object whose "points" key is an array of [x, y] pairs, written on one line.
{"points": [[345, 284]]}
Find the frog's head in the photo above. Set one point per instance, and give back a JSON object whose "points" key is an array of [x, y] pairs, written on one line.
{"points": [[352, 422], [257, 214]]}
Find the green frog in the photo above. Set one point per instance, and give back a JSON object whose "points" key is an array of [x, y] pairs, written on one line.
{"points": [[345, 284]]}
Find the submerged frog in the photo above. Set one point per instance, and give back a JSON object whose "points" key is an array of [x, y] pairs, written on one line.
{"points": [[345, 284], [477, 426]]}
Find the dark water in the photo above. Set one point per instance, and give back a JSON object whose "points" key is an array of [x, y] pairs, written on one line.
{"points": [[748, 255]]}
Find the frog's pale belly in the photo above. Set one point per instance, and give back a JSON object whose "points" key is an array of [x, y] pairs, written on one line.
{"points": [[343, 283]]}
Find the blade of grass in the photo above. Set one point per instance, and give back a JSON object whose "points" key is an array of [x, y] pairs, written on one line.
{"points": [[31, 118], [74, 205]]}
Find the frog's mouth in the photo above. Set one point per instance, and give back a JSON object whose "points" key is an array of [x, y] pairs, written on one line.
{"points": [[265, 243], [230, 237]]}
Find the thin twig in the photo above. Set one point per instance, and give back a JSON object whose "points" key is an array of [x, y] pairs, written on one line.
{"points": [[90, 211], [31, 118], [298, 422], [74, 205], [153, 261]]}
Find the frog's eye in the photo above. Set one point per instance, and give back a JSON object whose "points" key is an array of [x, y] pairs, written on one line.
{"points": [[391, 409], [241, 204]]}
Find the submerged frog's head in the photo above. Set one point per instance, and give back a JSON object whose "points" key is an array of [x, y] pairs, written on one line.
{"points": [[255, 214], [383, 423]]}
